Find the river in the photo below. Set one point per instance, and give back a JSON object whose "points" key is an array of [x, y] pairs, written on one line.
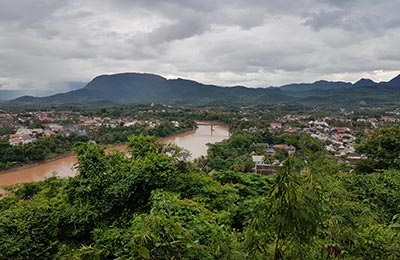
{"points": [[194, 141]]}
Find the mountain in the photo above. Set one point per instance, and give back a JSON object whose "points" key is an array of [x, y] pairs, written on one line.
{"points": [[318, 85], [364, 83], [9, 94], [141, 88], [144, 88], [61, 86], [395, 82]]}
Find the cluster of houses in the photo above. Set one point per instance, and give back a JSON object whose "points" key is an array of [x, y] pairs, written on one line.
{"points": [[59, 123], [27, 135], [337, 132], [29, 125], [340, 141], [24, 136], [7, 119]]}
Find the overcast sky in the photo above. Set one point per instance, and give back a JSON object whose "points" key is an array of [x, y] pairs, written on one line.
{"points": [[44, 43]]}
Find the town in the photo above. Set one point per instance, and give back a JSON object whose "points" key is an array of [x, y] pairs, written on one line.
{"points": [[338, 131], [24, 128]]}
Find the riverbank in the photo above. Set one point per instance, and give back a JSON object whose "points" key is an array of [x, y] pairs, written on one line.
{"points": [[20, 167], [118, 146], [195, 141]]}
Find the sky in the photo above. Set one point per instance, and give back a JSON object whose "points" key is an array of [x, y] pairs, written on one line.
{"points": [[47, 44]]}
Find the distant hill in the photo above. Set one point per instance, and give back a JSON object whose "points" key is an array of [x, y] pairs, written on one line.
{"points": [[364, 83], [9, 94], [395, 82], [143, 88], [61, 86], [318, 85]]}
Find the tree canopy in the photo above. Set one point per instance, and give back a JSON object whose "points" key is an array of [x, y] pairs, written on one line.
{"points": [[152, 204]]}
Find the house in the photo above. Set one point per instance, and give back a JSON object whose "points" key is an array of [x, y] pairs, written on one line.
{"points": [[330, 148], [318, 124], [291, 131], [56, 128], [253, 130], [262, 168], [175, 123], [342, 130], [24, 131], [257, 159], [353, 157], [270, 151], [130, 123], [320, 137], [389, 119], [276, 126], [14, 139], [21, 138], [25, 139], [289, 148], [266, 169]]}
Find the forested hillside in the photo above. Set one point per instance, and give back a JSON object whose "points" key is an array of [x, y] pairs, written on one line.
{"points": [[154, 204], [144, 88]]}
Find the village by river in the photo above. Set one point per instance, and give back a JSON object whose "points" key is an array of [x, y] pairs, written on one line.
{"points": [[194, 141]]}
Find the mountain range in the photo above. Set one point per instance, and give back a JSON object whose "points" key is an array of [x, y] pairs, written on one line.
{"points": [[61, 86], [143, 88]]}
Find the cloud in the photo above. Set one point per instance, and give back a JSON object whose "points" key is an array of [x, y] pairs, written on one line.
{"points": [[229, 42], [179, 30]]}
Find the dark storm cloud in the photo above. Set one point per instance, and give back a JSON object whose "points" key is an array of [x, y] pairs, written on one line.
{"points": [[254, 42]]}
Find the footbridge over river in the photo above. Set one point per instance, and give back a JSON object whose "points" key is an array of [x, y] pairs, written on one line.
{"points": [[211, 124]]}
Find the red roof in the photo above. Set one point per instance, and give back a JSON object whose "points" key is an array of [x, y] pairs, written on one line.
{"points": [[291, 131], [341, 129]]}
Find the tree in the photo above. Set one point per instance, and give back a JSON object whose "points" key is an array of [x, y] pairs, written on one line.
{"points": [[140, 146], [290, 216], [382, 148], [173, 229]]}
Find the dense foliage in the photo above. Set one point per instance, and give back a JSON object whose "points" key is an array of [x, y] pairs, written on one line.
{"points": [[155, 205], [235, 152], [382, 148]]}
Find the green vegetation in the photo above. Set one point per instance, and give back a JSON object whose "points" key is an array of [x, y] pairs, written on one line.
{"points": [[49, 146], [382, 149], [134, 88], [155, 205], [234, 153], [120, 134], [45, 147]]}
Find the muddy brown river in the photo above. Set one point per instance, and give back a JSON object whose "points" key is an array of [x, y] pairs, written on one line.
{"points": [[194, 141]]}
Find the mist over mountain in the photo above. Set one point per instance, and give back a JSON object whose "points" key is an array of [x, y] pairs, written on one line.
{"points": [[9, 94], [143, 88], [60, 86]]}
